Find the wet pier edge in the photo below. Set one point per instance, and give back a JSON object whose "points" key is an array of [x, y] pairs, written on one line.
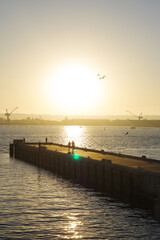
{"points": [[130, 179]]}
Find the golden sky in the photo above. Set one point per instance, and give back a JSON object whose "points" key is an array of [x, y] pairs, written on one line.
{"points": [[52, 50]]}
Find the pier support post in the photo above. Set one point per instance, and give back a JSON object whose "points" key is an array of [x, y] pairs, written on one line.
{"points": [[156, 209], [11, 150]]}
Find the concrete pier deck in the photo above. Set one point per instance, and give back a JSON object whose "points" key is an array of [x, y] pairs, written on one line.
{"points": [[123, 160]]}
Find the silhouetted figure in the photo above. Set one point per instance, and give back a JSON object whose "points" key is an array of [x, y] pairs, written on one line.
{"points": [[46, 140], [69, 145], [73, 146], [24, 140]]}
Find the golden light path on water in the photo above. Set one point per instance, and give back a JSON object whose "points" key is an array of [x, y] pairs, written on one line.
{"points": [[73, 222], [74, 133]]}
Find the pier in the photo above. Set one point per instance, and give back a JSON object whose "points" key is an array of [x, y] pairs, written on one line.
{"points": [[130, 179]]}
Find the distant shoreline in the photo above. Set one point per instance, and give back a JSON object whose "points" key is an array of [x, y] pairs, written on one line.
{"points": [[85, 122]]}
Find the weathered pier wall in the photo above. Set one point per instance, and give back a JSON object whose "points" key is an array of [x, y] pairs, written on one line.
{"points": [[137, 187]]}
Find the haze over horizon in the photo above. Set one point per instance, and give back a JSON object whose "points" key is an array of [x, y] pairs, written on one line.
{"points": [[50, 117], [52, 51]]}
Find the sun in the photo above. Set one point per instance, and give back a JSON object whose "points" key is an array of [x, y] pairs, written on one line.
{"points": [[74, 89]]}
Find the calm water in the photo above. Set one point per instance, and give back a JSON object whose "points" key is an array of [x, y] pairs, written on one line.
{"points": [[36, 204]]}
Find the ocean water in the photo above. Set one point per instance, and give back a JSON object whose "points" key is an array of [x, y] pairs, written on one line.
{"points": [[37, 204]]}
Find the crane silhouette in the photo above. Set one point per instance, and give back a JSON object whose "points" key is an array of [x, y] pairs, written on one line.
{"points": [[138, 116], [7, 114]]}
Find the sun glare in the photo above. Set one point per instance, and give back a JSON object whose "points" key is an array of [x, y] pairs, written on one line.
{"points": [[74, 88]]}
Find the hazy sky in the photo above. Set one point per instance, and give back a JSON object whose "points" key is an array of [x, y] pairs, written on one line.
{"points": [[43, 41]]}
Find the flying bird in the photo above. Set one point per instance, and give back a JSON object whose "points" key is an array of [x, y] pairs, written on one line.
{"points": [[125, 133], [101, 76]]}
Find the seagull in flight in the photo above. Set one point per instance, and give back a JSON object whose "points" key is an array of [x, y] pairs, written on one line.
{"points": [[101, 76], [126, 133]]}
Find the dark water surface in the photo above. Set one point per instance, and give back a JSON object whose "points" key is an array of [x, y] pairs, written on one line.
{"points": [[36, 204]]}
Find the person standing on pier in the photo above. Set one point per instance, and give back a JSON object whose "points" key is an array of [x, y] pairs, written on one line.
{"points": [[73, 146], [69, 145]]}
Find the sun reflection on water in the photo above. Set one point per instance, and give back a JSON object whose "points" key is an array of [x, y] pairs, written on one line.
{"points": [[74, 133], [71, 228]]}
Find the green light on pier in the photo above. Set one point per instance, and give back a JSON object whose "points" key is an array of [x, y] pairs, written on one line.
{"points": [[76, 157]]}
